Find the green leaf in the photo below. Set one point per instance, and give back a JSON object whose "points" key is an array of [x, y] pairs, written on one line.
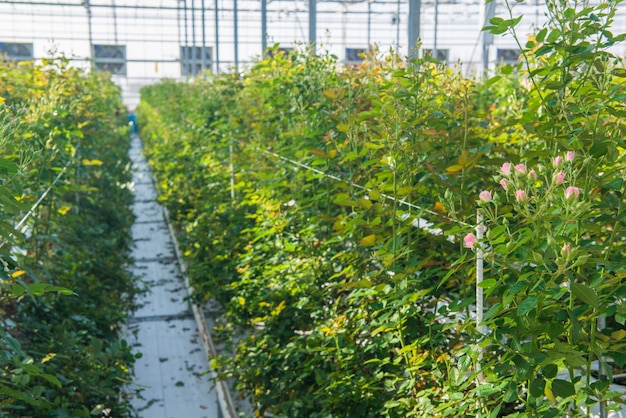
{"points": [[563, 388], [52, 379], [507, 69], [527, 305], [541, 35], [487, 283], [537, 386], [615, 184], [511, 393], [554, 35], [585, 294], [550, 370]]}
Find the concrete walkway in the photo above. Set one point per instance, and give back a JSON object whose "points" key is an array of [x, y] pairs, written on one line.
{"points": [[172, 369]]}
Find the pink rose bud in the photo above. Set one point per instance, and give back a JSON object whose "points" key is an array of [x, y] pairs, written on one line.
{"points": [[557, 161], [566, 250], [520, 195], [569, 156], [560, 177], [470, 240], [520, 168], [485, 196], [572, 191], [506, 169], [503, 184], [532, 174]]}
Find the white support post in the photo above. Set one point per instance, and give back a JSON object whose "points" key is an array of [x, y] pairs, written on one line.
{"points": [[480, 233]]}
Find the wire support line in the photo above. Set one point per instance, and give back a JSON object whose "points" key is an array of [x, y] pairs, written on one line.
{"points": [[44, 194], [419, 222]]}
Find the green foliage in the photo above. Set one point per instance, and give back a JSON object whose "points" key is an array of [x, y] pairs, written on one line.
{"points": [[64, 288], [322, 208]]}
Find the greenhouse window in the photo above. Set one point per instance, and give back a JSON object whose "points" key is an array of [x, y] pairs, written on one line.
{"points": [[442, 54], [111, 58], [17, 51], [191, 59], [507, 56]]}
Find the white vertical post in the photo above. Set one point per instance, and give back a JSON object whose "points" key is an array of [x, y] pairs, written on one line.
{"points": [[231, 167], [480, 233]]}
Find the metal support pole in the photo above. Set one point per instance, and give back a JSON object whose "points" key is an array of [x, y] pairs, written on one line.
{"points": [[204, 63], [414, 26], [488, 12], [369, 23], [236, 29], [114, 21], [180, 40], [186, 49], [194, 58], [263, 26], [398, 26], [435, 54], [312, 23], [90, 31], [217, 38]]}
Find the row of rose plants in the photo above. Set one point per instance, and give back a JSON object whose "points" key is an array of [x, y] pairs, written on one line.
{"points": [[331, 211], [65, 245]]}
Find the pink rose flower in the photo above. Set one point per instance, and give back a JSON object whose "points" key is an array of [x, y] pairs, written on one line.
{"points": [[506, 169], [520, 195], [520, 168], [569, 156], [560, 177], [485, 196], [532, 174], [572, 191], [503, 184], [470, 240], [557, 161]]}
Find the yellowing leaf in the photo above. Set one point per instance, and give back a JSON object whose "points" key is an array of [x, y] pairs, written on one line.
{"points": [[464, 158], [329, 94], [342, 127], [454, 168], [429, 132], [87, 162], [368, 241], [64, 209], [438, 207], [619, 334], [404, 190], [48, 357], [332, 153], [548, 392], [317, 152], [18, 273], [364, 203]]}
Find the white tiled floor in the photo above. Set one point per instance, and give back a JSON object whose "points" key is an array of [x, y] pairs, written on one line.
{"points": [[172, 368]]}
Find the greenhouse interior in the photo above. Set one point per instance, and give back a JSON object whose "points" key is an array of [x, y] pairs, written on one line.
{"points": [[315, 209]]}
